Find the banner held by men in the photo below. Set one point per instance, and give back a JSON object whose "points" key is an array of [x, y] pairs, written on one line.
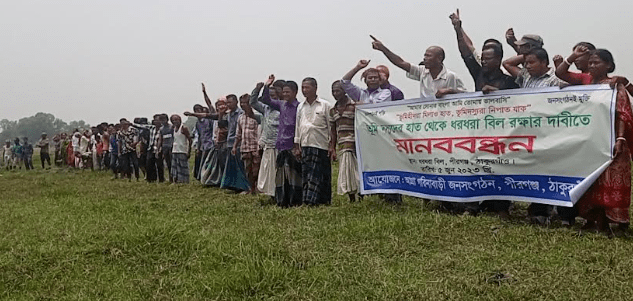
{"points": [[544, 146]]}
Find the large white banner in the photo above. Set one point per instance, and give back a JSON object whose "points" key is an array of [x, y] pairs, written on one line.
{"points": [[544, 146]]}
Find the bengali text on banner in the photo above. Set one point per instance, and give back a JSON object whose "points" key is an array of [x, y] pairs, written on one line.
{"points": [[544, 146]]}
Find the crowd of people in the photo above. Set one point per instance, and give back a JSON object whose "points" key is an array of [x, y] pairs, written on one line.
{"points": [[268, 142]]}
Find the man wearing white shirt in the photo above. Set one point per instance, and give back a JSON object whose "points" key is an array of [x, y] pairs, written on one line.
{"points": [[373, 93], [311, 141], [435, 80]]}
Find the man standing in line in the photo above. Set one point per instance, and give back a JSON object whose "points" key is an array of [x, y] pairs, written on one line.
{"points": [[246, 139], [167, 140], [268, 138], [312, 136], [234, 177], [342, 138], [115, 165], [288, 184], [435, 79], [154, 166], [205, 127], [57, 146], [488, 77], [181, 151], [128, 138], [16, 153], [536, 73], [43, 145], [27, 153], [6, 155]]}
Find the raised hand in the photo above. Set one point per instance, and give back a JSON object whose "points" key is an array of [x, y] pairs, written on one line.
{"points": [[580, 51], [259, 85], [558, 59], [363, 64], [510, 38], [378, 45], [270, 80], [203, 88], [187, 113], [457, 22]]}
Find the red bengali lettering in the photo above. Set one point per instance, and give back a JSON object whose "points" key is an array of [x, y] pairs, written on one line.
{"points": [[493, 144]]}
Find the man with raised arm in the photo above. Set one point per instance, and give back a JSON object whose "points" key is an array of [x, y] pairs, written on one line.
{"points": [[246, 140], [268, 138], [373, 93], [487, 75], [288, 190], [435, 79], [204, 127], [525, 44], [536, 72]]}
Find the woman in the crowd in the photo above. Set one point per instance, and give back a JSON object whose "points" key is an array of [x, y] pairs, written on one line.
{"points": [[609, 198]]}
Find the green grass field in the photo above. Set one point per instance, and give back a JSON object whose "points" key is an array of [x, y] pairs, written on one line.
{"points": [[77, 235]]}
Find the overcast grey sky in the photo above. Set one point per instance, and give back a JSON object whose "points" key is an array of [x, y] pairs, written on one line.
{"points": [[102, 60]]}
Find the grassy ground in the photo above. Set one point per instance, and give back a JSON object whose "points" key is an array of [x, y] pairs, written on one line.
{"points": [[78, 235]]}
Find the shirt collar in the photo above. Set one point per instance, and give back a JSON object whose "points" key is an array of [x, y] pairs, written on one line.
{"points": [[442, 75], [318, 100], [549, 73]]}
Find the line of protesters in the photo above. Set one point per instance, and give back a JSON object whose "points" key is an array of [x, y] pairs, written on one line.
{"points": [[270, 143]]}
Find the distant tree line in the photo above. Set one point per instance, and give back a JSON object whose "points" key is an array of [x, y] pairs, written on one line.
{"points": [[32, 127]]}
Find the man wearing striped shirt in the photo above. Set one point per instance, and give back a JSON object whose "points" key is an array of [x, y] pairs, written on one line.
{"points": [[246, 139], [536, 74]]}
